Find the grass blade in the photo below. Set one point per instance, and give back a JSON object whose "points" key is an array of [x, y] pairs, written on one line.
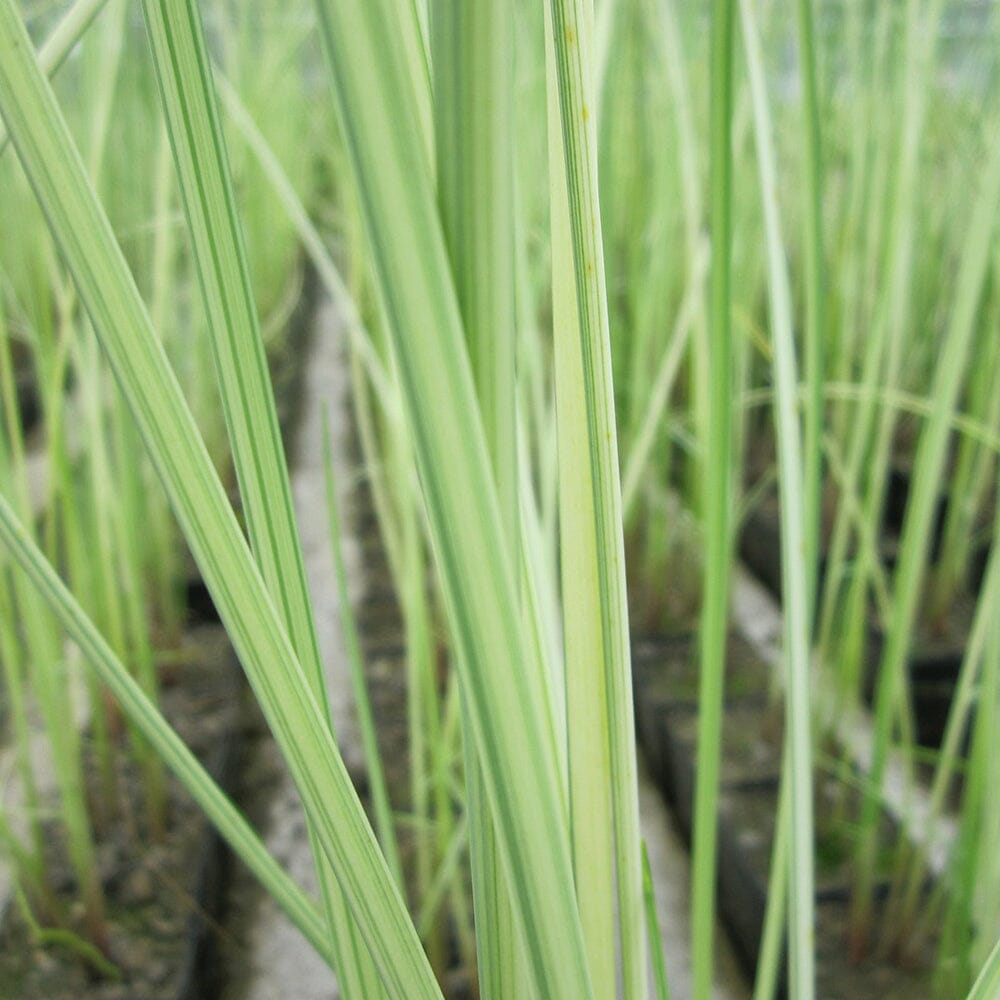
{"points": [[473, 58], [148, 720], [653, 930], [602, 765], [508, 715], [202, 164], [187, 94], [918, 522], [795, 870], [717, 503], [59, 44], [987, 984], [185, 80], [107, 290], [814, 298]]}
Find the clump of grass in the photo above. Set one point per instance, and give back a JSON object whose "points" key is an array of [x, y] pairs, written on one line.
{"points": [[503, 488]]}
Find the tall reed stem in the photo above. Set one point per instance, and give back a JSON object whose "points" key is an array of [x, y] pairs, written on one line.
{"points": [[717, 492]]}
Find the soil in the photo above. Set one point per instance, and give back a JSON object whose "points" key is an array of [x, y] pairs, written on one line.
{"points": [[162, 895]]}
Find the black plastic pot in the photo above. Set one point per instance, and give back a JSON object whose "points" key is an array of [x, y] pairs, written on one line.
{"points": [[28, 404], [933, 663], [933, 667], [665, 679]]}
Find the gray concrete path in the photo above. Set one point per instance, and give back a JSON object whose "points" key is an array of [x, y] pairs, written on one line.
{"points": [[284, 966], [670, 865]]}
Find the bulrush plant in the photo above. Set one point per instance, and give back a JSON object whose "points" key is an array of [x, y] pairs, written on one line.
{"points": [[37, 304], [468, 141], [36, 671], [507, 711], [94, 495], [876, 315], [914, 591]]}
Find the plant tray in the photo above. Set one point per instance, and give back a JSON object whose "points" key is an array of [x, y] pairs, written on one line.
{"points": [[665, 676], [934, 661]]}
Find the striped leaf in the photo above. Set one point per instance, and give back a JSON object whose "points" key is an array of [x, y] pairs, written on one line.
{"points": [[473, 116], [149, 721], [507, 716], [185, 81], [108, 292], [602, 765]]}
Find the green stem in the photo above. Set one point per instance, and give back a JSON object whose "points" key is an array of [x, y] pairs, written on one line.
{"points": [[717, 493]]}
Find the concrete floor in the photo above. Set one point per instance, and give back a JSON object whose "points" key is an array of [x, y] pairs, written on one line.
{"points": [[670, 865], [283, 964]]}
